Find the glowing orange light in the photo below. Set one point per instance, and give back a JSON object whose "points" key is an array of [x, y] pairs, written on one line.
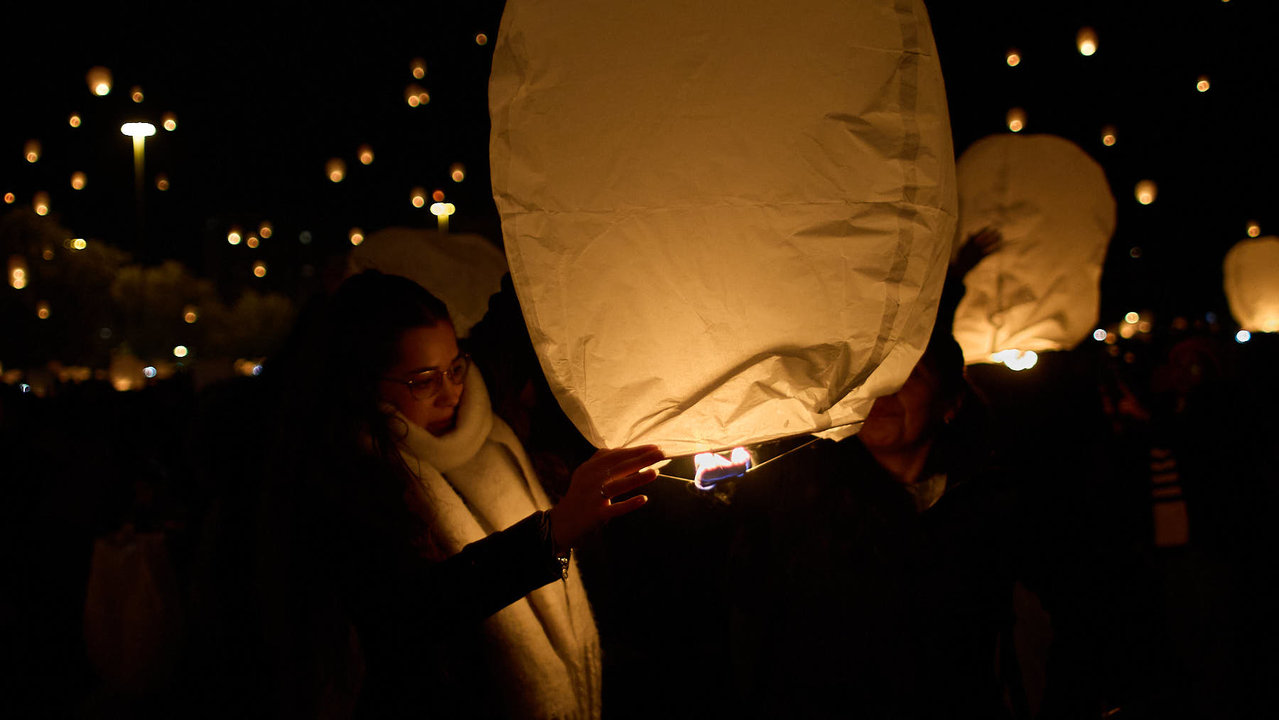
{"points": [[32, 150], [438, 196], [265, 230], [42, 310], [1016, 119], [1132, 318], [17, 272], [79, 244], [47, 253], [74, 120], [418, 197], [1254, 229], [1016, 360], [1086, 41], [457, 172], [1013, 58], [1146, 191], [356, 236], [180, 351], [259, 269], [169, 121], [233, 236], [189, 314], [10, 198], [416, 95], [443, 209], [418, 68], [1109, 136], [99, 80], [251, 241], [713, 467], [162, 182], [481, 39], [366, 155], [41, 203], [78, 180], [335, 169], [1202, 85], [136, 94]]}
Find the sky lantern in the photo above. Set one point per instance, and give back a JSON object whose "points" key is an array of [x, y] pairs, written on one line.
{"points": [[169, 121], [366, 155], [190, 314], [1254, 229], [461, 269], [17, 272], [10, 198], [162, 182], [356, 236], [1202, 84], [1251, 276], [1086, 41], [259, 269], [233, 236], [713, 259], [31, 150], [75, 120], [1016, 119], [78, 180], [40, 203], [1013, 57], [1145, 191], [265, 230], [417, 67], [416, 95], [1040, 290], [335, 169], [136, 94], [99, 80], [457, 172], [42, 310], [1109, 136], [417, 197]]}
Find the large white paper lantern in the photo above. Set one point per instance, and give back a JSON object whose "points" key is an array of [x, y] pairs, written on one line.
{"points": [[1251, 274], [725, 222], [1041, 290], [462, 270]]}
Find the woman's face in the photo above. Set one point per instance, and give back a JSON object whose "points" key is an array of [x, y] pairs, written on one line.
{"points": [[419, 350], [905, 418]]}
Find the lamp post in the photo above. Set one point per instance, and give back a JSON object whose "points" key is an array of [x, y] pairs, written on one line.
{"points": [[139, 131]]}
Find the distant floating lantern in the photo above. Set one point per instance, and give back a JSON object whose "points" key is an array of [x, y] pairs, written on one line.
{"points": [[259, 269], [416, 95], [79, 244], [78, 180], [1202, 84], [180, 351], [335, 169], [1099, 335], [74, 120], [265, 230], [162, 182], [1243, 336], [136, 94], [1016, 119], [1253, 229], [40, 203], [169, 121], [31, 149], [10, 198], [1251, 278], [1040, 291], [251, 241], [233, 236], [366, 155], [418, 67], [356, 236], [1013, 57], [437, 196], [47, 253], [17, 272], [481, 39], [417, 196], [457, 172], [1086, 41], [1132, 318], [99, 80], [1109, 136], [1146, 191], [190, 314], [42, 310]]}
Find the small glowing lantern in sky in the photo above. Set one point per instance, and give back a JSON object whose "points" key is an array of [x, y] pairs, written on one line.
{"points": [[417, 196], [79, 244], [78, 180], [1251, 278], [180, 351], [1013, 57], [418, 68], [169, 121], [31, 150], [713, 259], [190, 314], [1086, 41], [10, 198], [1202, 84], [1040, 291], [366, 155], [99, 79], [136, 94], [265, 230], [233, 236], [335, 169], [251, 241], [1146, 191], [40, 203], [1254, 229], [457, 172], [481, 39], [17, 272], [356, 236], [42, 310], [162, 182], [1016, 119], [259, 269], [463, 270], [1109, 136], [74, 120], [416, 95]]}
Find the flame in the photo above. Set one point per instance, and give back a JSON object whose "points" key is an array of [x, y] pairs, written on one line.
{"points": [[1016, 359], [714, 467]]}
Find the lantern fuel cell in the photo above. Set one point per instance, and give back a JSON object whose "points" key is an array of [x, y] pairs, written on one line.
{"points": [[726, 224], [712, 468]]}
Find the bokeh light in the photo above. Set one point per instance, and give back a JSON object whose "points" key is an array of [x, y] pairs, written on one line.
{"points": [[1254, 229], [458, 172], [481, 39], [1109, 136], [162, 182], [78, 180], [1243, 336], [366, 155], [79, 244], [417, 196], [40, 203], [259, 269], [31, 150], [99, 80], [190, 314], [42, 310], [1086, 41], [1146, 191], [1202, 84], [180, 351], [1016, 119], [416, 95], [356, 236], [136, 94], [1099, 335], [251, 241], [233, 236], [1013, 57], [10, 198], [335, 169], [169, 121], [265, 230], [417, 66], [74, 120], [438, 196]]}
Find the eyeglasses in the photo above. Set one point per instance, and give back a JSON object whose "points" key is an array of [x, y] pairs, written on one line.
{"points": [[426, 385]]}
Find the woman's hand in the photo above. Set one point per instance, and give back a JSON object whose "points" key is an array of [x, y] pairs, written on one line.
{"points": [[588, 502]]}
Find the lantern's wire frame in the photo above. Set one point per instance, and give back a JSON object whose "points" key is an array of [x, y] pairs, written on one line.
{"points": [[754, 466]]}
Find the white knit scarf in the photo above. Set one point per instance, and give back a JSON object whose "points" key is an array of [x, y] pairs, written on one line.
{"points": [[475, 480]]}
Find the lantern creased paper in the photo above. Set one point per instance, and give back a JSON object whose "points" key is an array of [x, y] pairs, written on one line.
{"points": [[462, 270], [1251, 275], [726, 223], [1041, 290]]}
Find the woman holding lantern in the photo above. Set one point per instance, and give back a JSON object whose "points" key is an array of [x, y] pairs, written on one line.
{"points": [[415, 556]]}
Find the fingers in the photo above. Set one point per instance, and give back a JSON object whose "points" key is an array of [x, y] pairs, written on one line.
{"points": [[621, 508], [623, 485], [624, 461]]}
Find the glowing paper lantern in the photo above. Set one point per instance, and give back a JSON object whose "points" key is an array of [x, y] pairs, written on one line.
{"points": [[1251, 274], [1146, 191], [31, 150], [99, 80], [1040, 291], [715, 258], [1016, 119], [462, 270], [1086, 41], [335, 169]]}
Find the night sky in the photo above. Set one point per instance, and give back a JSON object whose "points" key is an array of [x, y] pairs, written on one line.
{"points": [[265, 96]]}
